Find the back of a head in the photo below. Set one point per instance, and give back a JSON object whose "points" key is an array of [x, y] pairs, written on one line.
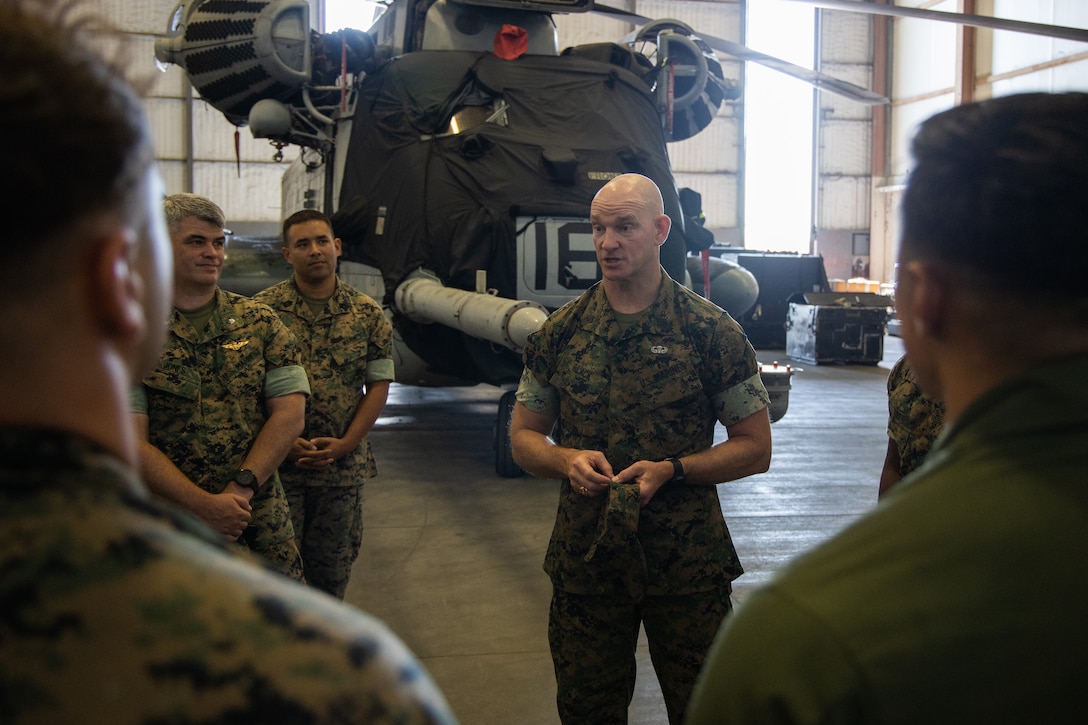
{"points": [[77, 137], [999, 191]]}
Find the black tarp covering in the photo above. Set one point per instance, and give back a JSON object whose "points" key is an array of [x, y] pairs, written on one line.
{"points": [[413, 195]]}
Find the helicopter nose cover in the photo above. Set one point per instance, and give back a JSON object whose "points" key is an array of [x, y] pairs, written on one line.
{"points": [[511, 42]]}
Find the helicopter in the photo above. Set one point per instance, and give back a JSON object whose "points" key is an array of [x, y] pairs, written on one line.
{"points": [[457, 151]]}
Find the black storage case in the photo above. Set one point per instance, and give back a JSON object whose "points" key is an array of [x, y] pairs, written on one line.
{"points": [[781, 277], [837, 327]]}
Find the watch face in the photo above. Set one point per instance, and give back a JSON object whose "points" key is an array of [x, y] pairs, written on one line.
{"points": [[246, 479]]}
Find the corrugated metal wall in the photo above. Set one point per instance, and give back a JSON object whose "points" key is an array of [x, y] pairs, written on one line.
{"points": [[195, 144]]}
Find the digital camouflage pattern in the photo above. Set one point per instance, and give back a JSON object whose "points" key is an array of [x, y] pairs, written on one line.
{"points": [[330, 519], [640, 390], [117, 609], [914, 421], [205, 407], [337, 347], [592, 639], [645, 393]]}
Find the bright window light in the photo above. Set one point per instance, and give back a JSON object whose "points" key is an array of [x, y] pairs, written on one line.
{"points": [[358, 14], [778, 130]]}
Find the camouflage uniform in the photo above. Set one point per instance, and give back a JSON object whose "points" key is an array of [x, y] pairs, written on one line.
{"points": [[205, 407], [346, 346], [914, 421], [118, 609], [653, 390]]}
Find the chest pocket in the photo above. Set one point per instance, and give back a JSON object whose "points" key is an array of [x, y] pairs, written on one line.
{"points": [[240, 365], [659, 404], [176, 380], [348, 355], [666, 378], [583, 373]]}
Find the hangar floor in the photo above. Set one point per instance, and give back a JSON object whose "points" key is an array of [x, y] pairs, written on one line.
{"points": [[452, 553]]}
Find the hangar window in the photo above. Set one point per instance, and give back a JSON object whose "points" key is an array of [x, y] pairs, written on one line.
{"points": [[358, 14], [778, 174]]}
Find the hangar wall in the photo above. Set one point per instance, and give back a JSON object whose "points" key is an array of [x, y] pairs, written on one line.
{"points": [[843, 148], [859, 171], [937, 65], [195, 144]]}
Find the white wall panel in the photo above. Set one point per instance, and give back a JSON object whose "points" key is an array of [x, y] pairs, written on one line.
{"points": [[832, 105], [254, 196], [714, 149], [719, 192], [1018, 50], [844, 202], [173, 176], [924, 55], [585, 28], [846, 39], [136, 16], [1072, 77], [720, 18], [166, 81], [845, 148], [844, 127], [168, 127]]}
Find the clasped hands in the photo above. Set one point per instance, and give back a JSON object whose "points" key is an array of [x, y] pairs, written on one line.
{"points": [[317, 453], [591, 474]]}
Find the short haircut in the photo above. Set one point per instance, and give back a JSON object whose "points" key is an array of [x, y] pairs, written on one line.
{"points": [[78, 136], [178, 207], [301, 217], [1000, 191]]}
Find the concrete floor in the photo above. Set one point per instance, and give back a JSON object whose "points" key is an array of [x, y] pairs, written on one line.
{"points": [[452, 553]]}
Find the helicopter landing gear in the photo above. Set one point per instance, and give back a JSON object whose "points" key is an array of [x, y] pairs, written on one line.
{"points": [[504, 457]]}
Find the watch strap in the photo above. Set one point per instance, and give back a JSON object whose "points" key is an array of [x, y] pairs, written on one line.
{"points": [[677, 469]]}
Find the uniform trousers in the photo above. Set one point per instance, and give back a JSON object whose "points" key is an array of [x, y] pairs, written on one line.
{"points": [[593, 640], [328, 523]]}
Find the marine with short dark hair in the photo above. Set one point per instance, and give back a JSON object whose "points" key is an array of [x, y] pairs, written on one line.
{"points": [[346, 346]]}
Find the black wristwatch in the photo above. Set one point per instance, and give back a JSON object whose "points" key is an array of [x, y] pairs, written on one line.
{"points": [[677, 470], [246, 479]]}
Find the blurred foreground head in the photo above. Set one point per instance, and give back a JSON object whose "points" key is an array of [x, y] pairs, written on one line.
{"points": [[999, 195], [81, 154]]}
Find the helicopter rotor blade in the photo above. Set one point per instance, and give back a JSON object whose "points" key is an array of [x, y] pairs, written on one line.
{"points": [[821, 81], [977, 21]]}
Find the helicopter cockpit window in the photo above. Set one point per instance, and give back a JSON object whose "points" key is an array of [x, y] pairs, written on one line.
{"points": [[468, 117]]}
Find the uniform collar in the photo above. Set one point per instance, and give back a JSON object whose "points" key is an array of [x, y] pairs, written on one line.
{"points": [[601, 320]]}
